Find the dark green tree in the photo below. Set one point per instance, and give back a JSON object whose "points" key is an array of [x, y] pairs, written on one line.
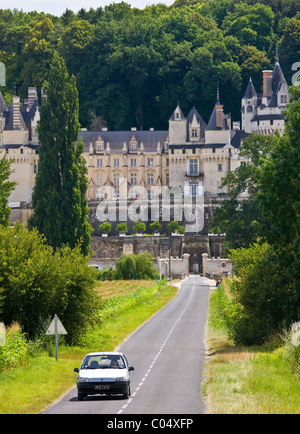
{"points": [[6, 187], [59, 198]]}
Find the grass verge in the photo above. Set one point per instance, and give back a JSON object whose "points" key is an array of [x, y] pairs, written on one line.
{"points": [[246, 380], [38, 382]]}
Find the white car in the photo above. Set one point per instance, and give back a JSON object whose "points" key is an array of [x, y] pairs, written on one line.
{"points": [[103, 373]]}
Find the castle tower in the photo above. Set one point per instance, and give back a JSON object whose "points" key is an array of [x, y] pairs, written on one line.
{"points": [[177, 128], [249, 105]]}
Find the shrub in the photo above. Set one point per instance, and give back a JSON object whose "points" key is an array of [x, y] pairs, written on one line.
{"points": [[39, 282], [155, 226], [136, 266], [262, 296], [122, 228], [13, 352], [105, 227], [139, 227]]}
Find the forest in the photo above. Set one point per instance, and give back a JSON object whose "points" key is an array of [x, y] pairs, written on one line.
{"points": [[132, 65]]}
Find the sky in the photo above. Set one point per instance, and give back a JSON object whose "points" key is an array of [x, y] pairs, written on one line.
{"points": [[57, 7]]}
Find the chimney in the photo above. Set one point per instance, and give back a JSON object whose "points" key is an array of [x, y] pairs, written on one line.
{"points": [[267, 83], [16, 112], [32, 95], [219, 116]]}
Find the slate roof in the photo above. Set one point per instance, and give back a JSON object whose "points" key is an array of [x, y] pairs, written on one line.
{"points": [[212, 123], [116, 139], [250, 91], [199, 119]]}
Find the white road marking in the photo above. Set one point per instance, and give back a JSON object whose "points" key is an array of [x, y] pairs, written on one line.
{"points": [[157, 355]]}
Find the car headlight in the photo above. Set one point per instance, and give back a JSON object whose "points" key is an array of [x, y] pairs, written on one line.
{"points": [[120, 379], [83, 380]]}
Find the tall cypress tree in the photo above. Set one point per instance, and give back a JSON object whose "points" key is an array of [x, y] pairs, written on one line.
{"points": [[59, 198], [6, 188]]}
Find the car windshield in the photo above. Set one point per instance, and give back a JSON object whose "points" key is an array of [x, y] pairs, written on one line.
{"points": [[103, 362]]}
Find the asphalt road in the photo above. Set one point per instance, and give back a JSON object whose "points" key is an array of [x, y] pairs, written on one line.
{"points": [[168, 354]]}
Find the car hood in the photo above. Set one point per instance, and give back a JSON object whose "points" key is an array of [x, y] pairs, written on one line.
{"points": [[105, 374]]}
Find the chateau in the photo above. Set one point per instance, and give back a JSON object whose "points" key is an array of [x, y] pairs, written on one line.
{"points": [[191, 154]]}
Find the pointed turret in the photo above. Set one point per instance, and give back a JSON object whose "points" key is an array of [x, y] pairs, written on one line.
{"points": [[177, 127]]}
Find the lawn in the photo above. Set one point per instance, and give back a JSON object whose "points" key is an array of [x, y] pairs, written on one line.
{"points": [[246, 380]]}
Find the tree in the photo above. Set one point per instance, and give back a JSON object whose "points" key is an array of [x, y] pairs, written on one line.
{"points": [[105, 227], [262, 295], [139, 227], [279, 196], [155, 226], [6, 188], [59, 198], [38, 282], [122, 228]]}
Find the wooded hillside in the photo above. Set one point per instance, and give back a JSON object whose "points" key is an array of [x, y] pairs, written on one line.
{"points": [[132, 65]]}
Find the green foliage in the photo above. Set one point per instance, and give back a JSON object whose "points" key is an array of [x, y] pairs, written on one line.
{"points": [[116, 305], [263, 293], [155, 226], [136, 266], [6, 188], [13, 352], [105, 227], [38, 282], [176, 227], [173, 225], [122, 228], [59, 198], [139, 227], [132, 65]]}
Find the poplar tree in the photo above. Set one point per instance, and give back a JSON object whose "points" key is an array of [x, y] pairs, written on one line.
{"points": [[6, 188], [59, 198]]}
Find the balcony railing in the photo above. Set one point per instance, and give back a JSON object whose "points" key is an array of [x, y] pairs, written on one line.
{"points": [[194, 173]]}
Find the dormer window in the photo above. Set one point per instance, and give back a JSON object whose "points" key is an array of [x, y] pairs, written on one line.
{"points": [[133, 147]]}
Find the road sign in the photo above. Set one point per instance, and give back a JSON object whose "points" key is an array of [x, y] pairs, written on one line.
{"points": [[60, 328], [56, 328]]}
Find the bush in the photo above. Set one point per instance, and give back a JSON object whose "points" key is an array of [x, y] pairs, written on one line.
{"points": [[122, 228], [39, 282], [13, 352], [105, 227], [262, 296], [136, 266], [139, 227], [155, 226]]}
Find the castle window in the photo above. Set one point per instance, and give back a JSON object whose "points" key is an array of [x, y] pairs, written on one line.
{"points": [[116, 179], [116, 162], [150, 179], [193, 167], [99, 162], [99, 179], [35, 168], [133, 179], [133, 146], [249, 109], [194, 132], [133, 162], [150, 162], [220, 167]]}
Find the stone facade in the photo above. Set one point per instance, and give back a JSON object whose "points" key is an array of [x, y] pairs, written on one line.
{"points": [[19, 143], [191, 155]]}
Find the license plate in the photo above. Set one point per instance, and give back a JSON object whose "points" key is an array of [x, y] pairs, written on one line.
{"points": [[101, 387]]}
